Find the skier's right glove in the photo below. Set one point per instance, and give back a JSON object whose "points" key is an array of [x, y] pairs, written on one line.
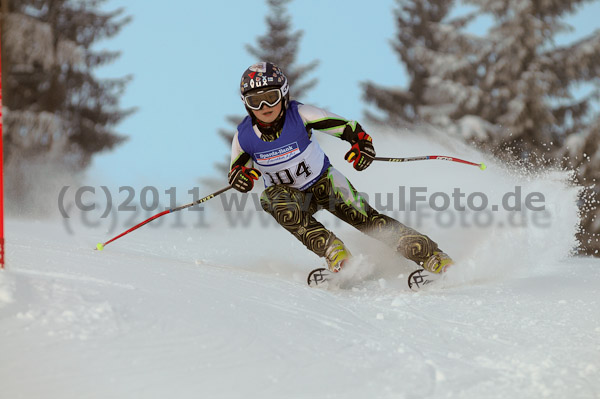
{"points": [[242, 178], [362, 152]]}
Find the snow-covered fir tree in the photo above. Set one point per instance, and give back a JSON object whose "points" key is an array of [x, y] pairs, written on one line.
{"points": [[416, 40], [57, 114], [280, 45], [527, 90], [511, 88], [432, 46]]}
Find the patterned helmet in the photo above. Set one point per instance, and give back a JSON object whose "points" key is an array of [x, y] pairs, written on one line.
{"points": [[264, 75]]}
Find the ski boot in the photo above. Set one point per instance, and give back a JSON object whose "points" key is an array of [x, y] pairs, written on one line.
{"points": [[437, 263], [336, 254]]}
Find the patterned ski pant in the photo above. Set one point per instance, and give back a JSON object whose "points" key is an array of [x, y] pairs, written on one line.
{"points": [[294, 209]]}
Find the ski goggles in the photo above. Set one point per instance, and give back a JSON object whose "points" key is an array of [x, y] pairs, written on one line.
{"points": [[270, 97]]}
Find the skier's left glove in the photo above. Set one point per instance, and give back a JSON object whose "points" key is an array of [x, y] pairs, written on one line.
{"points": [[362, 152], [242, 178]]}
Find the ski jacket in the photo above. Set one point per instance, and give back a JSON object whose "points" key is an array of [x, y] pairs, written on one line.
{"points": [[293, 158]]}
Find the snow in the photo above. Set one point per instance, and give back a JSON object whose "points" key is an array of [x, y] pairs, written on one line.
{"points": [[224, 312]]}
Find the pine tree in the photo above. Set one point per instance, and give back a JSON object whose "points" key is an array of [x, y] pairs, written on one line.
{"points": [[56, 111], [529, 80], [280, 46], [509, 89], [416, 39], [432, 47]]}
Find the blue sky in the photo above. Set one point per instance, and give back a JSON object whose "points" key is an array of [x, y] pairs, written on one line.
{"points": [[186, 60]]}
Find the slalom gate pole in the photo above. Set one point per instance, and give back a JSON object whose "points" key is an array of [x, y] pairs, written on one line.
{"points": [[426, 157], [1, 162], [101, 246]]}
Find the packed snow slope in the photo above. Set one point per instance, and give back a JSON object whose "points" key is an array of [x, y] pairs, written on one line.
{"points": [[216, 305]]}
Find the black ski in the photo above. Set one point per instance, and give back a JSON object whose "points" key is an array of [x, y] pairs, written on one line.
{"points": [[421, 278]]}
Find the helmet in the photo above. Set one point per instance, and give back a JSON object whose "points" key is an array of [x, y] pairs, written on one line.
{"points": [[264, 75]]}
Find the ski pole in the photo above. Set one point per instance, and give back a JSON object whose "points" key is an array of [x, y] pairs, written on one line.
{"points": [[101, 246], [426, 157]]}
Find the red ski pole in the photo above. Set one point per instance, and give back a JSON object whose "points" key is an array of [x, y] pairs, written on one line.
{"points": [[426, 157], [100, 246]]}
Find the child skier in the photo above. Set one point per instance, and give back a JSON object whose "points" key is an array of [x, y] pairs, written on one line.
{"points": [[299, 179]]}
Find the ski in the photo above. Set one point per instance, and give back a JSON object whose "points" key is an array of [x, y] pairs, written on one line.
{"points": [[421, 278], [318, 277]]}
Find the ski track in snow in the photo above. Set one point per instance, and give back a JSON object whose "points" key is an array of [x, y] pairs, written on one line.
{"points": [[226, 313]]}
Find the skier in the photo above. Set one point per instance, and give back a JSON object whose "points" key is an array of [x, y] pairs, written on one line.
{"points": [[276, 138]]}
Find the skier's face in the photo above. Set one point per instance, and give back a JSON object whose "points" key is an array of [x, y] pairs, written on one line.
{"points": [[268, 114]]}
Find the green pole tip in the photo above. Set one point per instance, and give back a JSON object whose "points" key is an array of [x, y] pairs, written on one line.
{"points": [[482, 166], [99, 247]]}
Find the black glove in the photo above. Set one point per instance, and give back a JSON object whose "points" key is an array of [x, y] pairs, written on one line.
{"points": [[242, 178], [362, 152]]}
